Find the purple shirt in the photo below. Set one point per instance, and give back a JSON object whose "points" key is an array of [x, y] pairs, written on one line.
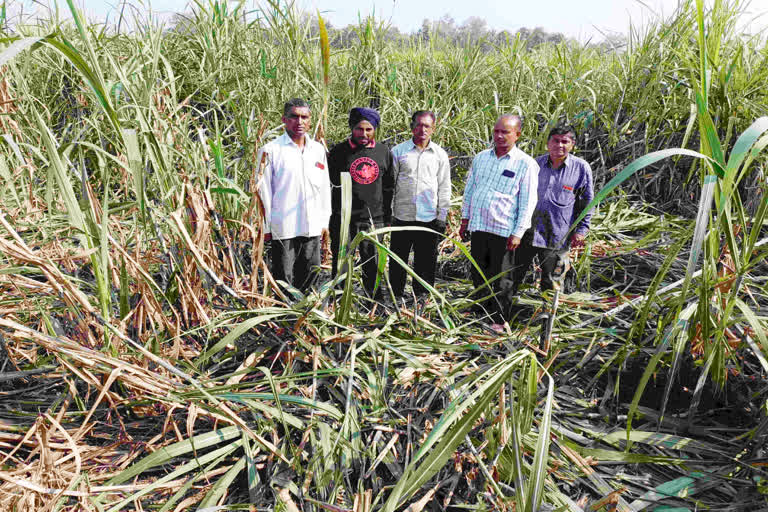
{"points": [[563, 193]]}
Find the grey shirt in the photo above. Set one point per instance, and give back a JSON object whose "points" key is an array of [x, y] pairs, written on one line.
{"points": [[422, 182]]}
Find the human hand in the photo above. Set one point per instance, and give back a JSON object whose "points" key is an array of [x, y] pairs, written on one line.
{"points": [[513, 242], [577, 240], [463, 233]]}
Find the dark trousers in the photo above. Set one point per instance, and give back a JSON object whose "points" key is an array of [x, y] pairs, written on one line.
{"points": [[424, 246], [488, 251], [369, 254], [297, 261], [549, 260]]}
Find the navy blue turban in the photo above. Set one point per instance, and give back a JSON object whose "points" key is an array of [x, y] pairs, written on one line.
{"points": [[358, 114]]}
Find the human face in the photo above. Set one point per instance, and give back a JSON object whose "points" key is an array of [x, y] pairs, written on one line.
{"points": [[297, 123], [506, 131], [422, 129], [363, 133], [559, 146]]}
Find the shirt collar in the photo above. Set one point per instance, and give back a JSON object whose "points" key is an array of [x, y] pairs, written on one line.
{"points": [[507, 154], [565, 162], [355, 146], [288, 141], [430, 146]]}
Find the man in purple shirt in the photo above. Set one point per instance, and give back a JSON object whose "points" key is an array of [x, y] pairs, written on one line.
{"points": [[564, 189]]}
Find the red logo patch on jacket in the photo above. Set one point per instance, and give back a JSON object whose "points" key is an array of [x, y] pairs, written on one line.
{"points": [[319, 165], [364, 170]]}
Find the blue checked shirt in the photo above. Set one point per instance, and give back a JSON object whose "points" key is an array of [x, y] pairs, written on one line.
{"points": [[500, 194]]}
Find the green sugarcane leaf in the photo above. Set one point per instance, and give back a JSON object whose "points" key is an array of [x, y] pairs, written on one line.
{"points": [[222, 485], [679, 328], [18, 46], [709, 139], [252, 475], [322, 407], [541, 455], [758, 328], [131, 139], [745, 142], [680, 487], [235, 333], [633, 167], [668, 441], [630, 458], [451, 430], [194, 464], [223, 190], [168, 453]]}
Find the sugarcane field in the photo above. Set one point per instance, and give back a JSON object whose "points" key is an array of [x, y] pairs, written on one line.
{"points": [[250, 261]]}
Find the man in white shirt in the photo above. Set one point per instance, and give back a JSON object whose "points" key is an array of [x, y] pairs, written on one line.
{"points": [[295, 191], [422, 197]]}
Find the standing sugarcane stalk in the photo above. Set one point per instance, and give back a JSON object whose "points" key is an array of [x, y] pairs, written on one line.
{"points": [[325, 52]]}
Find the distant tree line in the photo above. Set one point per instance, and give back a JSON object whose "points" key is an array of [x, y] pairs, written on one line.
{"points": [[443, 31], [474, 30]]}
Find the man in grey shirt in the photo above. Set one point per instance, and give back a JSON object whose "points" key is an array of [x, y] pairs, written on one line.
{"points": [[422, 197]]}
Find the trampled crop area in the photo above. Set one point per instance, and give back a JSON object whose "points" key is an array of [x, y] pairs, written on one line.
{"points": [[148, 361]]}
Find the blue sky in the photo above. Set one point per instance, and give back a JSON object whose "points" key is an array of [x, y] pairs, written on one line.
{"points": [[580, 19]]}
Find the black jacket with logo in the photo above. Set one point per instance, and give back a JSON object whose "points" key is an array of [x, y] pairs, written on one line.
{"points": [[373, 181]]}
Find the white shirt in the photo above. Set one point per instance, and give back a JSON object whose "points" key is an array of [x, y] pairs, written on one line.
{"points": [[295, 188], [422, 182]]}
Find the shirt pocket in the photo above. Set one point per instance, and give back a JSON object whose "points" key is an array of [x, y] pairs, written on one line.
{"points": [[562, 195], [317, 177], [508, 183]]}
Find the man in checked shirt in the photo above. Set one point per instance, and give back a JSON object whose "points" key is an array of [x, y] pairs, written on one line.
{"points": [[499, 199]]}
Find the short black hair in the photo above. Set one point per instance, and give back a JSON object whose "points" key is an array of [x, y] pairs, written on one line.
{"points": [[295, 103], [420, 113], [562, 129]]}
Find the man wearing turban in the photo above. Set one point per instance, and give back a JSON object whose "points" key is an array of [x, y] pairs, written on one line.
{"points": [[369, 164]]}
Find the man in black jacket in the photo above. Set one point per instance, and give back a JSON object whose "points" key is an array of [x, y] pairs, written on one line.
{"points": [[370, 166]]}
